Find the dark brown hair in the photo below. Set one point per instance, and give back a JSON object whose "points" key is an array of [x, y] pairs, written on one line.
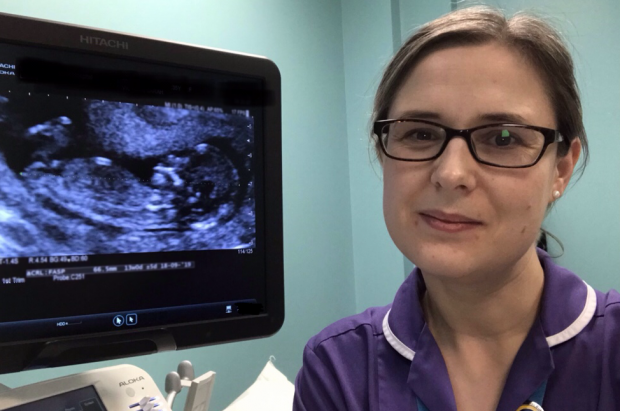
{"points": [[532, 36]]}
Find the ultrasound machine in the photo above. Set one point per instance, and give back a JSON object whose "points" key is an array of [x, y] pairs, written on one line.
{"points": [[140, 210]]}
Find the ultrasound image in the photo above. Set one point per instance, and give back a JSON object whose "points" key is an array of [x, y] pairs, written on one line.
{"points": [[94, 177]]}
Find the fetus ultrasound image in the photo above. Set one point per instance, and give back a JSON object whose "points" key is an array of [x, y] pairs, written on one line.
{"points": [[80, 177]]}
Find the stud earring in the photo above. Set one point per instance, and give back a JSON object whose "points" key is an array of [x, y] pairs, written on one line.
{"points": [[556, 194]]}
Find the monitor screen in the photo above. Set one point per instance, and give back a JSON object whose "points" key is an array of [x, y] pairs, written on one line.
{"points": [[133, 188]]}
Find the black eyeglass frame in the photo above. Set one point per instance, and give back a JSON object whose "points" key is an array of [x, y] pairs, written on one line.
{"points": [[551, 136]]}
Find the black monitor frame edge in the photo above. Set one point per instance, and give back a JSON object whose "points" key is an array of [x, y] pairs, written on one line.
{"points": [[36, 32]]}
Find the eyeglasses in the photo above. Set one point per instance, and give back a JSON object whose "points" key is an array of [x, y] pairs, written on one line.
{"points": [[500, 145]]}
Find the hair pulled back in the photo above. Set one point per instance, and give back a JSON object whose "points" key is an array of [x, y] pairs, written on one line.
{"points": [[533, 37]]}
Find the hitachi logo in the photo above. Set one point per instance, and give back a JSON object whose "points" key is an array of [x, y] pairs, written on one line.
{"points": [[98, 41], [131, 381]]}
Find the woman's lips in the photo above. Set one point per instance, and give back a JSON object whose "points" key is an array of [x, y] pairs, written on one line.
{"points": [[449, 226]]}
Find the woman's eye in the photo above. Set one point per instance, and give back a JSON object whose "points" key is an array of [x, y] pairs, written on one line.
{"points": [[502, 138], [424, 136], [420, 135]]}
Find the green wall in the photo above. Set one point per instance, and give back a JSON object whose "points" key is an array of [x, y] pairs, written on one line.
{"points": [[368, 45]]}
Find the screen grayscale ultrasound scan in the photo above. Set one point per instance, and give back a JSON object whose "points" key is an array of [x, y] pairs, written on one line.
{"points": [[116, 168], [83, 176]]}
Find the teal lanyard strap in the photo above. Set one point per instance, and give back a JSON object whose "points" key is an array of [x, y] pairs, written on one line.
{"points": [[539, 394], [421, 406], [537, 397]]}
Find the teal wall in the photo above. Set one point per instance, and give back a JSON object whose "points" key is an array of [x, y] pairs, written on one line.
{"points": [[414, 13], [338, 256], [368, 45], [304, 38]]}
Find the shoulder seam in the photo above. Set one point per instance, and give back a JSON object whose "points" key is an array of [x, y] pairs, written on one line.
{"points": [[607, 305], [346, 331], [612, 303]]}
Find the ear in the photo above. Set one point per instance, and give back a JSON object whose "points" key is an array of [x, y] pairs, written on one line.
{"points": [[565, 166]]}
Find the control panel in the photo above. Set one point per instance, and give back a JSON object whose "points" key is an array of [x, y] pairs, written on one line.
{"points": [[118, 388]]}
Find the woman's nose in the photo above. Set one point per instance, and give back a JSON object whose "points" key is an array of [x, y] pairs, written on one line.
{"points": [[455, 167]]}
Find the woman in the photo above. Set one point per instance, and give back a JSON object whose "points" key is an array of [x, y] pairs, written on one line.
{"points": [[478, 129]]}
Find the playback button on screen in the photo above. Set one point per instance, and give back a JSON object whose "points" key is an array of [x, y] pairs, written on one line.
{"points": [[131, 319], [118, 321]]}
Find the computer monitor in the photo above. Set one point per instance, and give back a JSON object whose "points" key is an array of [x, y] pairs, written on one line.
{"points": [[140, 195]]}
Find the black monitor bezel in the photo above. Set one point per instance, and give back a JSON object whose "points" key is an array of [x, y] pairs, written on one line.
{"points": [[124, 343]]}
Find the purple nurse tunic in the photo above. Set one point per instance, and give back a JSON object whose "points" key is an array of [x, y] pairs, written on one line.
{"points": [[387, 359]]}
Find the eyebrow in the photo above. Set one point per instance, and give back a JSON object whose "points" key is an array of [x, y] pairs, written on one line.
{"points": [[500, 117]]}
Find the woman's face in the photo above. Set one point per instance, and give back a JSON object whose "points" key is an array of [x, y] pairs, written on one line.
{"points": [[460, 87]]}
